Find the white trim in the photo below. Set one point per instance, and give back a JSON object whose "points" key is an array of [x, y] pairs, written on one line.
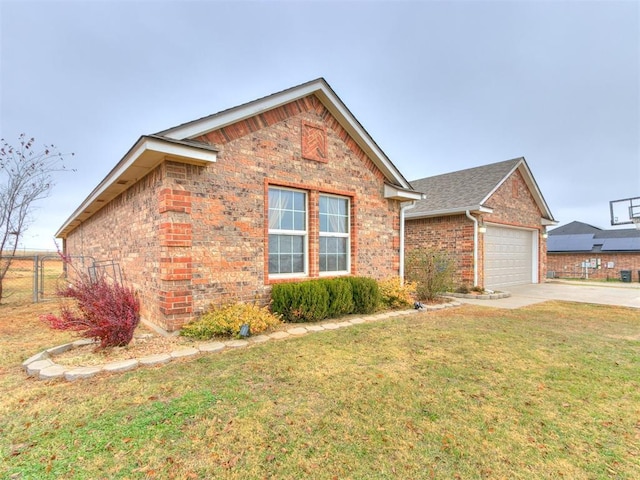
{"points": [[324, 93], [531, 185], [145, 155], [346, 235], [395, 193], [450, 211], [293, 233], [535, 249]]}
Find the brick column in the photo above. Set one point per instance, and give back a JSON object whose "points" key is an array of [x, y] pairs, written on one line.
{"points": [[176, 269]]}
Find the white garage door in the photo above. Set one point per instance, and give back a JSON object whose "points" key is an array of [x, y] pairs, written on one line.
{"points": [[510, 257]]}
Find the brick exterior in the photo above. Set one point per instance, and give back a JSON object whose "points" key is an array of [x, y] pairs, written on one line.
{"points": [[569, 265], [189, 236], [513, 206]]}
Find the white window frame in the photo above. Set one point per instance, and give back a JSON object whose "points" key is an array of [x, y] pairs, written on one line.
{"points": [[304, 234], [346, 235]]}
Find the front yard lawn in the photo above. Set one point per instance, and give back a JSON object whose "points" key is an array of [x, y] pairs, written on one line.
{"points": [[548, 391]]}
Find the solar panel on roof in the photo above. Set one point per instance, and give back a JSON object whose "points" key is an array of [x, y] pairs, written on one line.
{"points": [[621, 244], [570, 243]]}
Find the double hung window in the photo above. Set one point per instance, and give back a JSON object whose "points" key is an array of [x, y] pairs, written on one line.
{"points": [[334, 234], [290, 235], [287, 231]]}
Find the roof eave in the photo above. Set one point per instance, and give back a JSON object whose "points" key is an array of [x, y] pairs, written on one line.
{"points": [[394, 192], [145, 155], [321, 89], [448, 211]]}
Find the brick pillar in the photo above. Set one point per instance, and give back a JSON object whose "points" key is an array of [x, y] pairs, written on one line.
{"points": [[176, 269]]}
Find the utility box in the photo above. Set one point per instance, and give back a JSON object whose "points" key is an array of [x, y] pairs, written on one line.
{"points": [[625, 275]]}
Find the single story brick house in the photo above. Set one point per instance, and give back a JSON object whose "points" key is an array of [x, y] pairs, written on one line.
{"points": [[579, 250], [216, 210], [492, 219]]}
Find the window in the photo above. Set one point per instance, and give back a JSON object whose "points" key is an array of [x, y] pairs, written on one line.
{"points": [[334, 234], [287, 231]]}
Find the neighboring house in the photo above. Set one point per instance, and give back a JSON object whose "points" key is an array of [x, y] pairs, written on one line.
{"points": [[491, 219], [579, 250], [216, 210]]}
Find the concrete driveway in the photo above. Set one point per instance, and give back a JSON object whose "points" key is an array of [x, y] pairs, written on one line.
{"points": [[621, 294]]}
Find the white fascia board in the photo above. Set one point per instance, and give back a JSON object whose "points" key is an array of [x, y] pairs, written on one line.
{"points": [[395, 193], [449, 211], [328, 98], [143, 157], [546, 222], [504, 179], [531, 183], [233, 115]]}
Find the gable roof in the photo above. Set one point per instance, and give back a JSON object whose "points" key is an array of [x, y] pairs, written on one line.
{"points": [[456, 192], [177, 143], [581, 237], [318, 87]]}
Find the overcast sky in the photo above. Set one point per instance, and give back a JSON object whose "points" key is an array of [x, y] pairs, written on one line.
{"points": [[440, 86]]}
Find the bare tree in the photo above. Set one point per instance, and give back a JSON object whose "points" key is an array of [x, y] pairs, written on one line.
{"points": [[26, 176]]}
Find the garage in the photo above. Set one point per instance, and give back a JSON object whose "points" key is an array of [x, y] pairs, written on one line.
{"points": [[510, 257]]}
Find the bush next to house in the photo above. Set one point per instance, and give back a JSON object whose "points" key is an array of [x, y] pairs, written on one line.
{"points": [[104, 310], [315, 300], [227, 321], [340, 296], [432, 272], [366, 296], [395, 294], [301, 302]]}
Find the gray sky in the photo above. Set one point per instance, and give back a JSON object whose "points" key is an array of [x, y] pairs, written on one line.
{"points": [[440, 86]]}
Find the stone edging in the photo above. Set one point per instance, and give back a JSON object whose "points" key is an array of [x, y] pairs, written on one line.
{"points": [[484, 296], [43, 367]]}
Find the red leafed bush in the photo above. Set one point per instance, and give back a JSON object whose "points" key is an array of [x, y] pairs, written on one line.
{"points": [[104, 310]]}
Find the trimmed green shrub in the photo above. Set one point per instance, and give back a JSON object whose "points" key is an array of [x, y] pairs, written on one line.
{"points": [[300, 302], [314, 300], [340, 297], [366, 296], [226, 321]]}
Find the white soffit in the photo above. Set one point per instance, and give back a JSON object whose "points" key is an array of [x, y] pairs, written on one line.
{"points": [[142, 158]]}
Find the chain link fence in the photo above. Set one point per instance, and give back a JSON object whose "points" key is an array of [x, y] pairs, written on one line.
{"points": [[34, 278]]}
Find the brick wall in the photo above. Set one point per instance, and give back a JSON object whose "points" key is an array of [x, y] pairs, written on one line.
{"points": [[452, 234], [125, 231], [190, 236], [229, 210], [512, 204], [568, 265]]}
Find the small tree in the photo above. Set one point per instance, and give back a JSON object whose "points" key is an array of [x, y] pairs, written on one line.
{"points": [[432, 272], [26, 176]]}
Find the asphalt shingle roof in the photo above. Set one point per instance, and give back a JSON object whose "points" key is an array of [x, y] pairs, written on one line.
{"points": [[461, 189]]}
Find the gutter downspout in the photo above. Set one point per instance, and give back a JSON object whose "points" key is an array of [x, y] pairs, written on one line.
{"points": [[475, 247], [403, 207]]}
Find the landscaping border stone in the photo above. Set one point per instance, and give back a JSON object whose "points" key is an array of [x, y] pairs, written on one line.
{"points": [[42, 366]]}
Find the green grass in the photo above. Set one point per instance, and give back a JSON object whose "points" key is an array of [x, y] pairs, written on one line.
{"points": [[549, 391]]}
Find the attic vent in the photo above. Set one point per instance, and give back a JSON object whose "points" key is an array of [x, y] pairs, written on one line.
{"points": [[314, 142]]}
